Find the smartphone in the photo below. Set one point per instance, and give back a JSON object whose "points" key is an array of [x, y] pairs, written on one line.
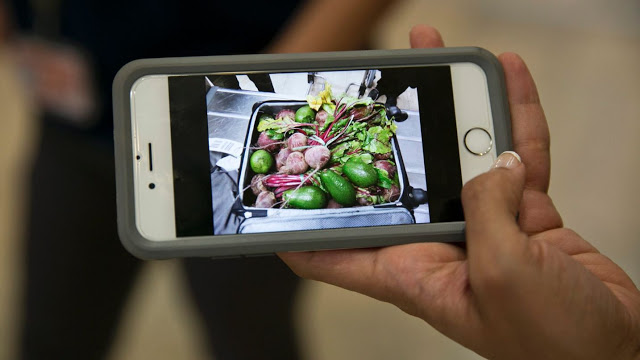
{"points": [[235, 156]]}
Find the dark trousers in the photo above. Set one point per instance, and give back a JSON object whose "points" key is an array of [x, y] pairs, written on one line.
{"points": [[78, 275]]}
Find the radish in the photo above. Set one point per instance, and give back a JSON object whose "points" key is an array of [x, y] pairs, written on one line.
{"points": [[332, 204], [317, 156]]}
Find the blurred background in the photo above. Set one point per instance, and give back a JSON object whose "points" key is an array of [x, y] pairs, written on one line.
{"points": [[584, 56]]}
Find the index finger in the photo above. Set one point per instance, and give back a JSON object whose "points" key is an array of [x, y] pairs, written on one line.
{"points": [[529, 126]]}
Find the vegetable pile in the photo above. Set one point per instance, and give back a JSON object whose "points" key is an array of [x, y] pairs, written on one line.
{"points": [[330, 153]]}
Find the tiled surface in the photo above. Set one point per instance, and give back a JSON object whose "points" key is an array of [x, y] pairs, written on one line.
{"points": [[585, 58]]}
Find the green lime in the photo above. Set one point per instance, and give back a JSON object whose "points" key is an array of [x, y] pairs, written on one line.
{"points": [[261, 161], [305, 114]]}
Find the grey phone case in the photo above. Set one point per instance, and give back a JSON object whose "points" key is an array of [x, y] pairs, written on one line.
{"points": [[246, 245]]}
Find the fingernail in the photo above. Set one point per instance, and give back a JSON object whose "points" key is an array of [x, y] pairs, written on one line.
{"points": [[508, 159]]}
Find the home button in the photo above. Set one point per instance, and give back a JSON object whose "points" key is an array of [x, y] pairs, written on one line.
{"points": [[478, 141]]}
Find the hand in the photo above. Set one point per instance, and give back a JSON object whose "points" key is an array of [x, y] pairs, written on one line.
{"points": [[526, 288]]}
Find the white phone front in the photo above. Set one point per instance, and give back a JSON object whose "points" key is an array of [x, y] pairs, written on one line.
{"points": [[270, 152]]}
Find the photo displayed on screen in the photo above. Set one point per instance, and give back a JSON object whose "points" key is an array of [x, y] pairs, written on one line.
{"points": [[315, 150]]}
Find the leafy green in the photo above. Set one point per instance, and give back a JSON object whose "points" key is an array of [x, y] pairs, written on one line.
{"points": [[366, 158], [377, 140], [274, 135], [383, 179], [279, 125], [351, 101], [329, 107]]}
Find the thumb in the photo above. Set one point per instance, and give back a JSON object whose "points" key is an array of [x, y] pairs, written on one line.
{"points": [[491, 202]]}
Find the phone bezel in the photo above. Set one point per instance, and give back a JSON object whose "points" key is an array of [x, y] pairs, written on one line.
{"points": [[255, 244]]}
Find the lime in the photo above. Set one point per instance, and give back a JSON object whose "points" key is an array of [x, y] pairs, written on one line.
{"points": [[305, 114], [261, 161]]}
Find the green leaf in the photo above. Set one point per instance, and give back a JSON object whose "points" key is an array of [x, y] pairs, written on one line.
{"points": [[366, 158], [338, 152], [279, 125], [377, 147], [329, 107], [351, 101], [274, 135], [383, 179]]}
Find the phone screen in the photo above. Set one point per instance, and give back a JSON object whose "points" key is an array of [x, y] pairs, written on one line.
{"points": [[294, 151]]}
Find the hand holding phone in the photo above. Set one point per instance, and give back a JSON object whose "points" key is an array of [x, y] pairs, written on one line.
{"points": [[525, 288]]}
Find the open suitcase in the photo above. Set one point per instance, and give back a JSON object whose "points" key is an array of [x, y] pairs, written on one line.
{"points": [[275, 219]]}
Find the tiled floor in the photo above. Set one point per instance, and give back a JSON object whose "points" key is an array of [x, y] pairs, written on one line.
{"points": [[585, 59]]}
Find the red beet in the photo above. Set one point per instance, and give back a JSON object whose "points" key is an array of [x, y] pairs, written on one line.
{"points": [[295, 164], [392, 194], [332, 204], [296, 140], [321, 117], [257, 186], [281, 158], [265, 200], [360, 112], [317, 156], [265, 142], [382, 156], [387, 166], [286, 114]]}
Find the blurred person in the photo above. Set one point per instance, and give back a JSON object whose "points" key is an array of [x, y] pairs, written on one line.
{"points": [[525, 287], [77, 273]]}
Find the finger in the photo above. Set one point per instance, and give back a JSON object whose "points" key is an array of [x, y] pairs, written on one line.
{"points": [[425, 36], [530, 129], [491, 202]]}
